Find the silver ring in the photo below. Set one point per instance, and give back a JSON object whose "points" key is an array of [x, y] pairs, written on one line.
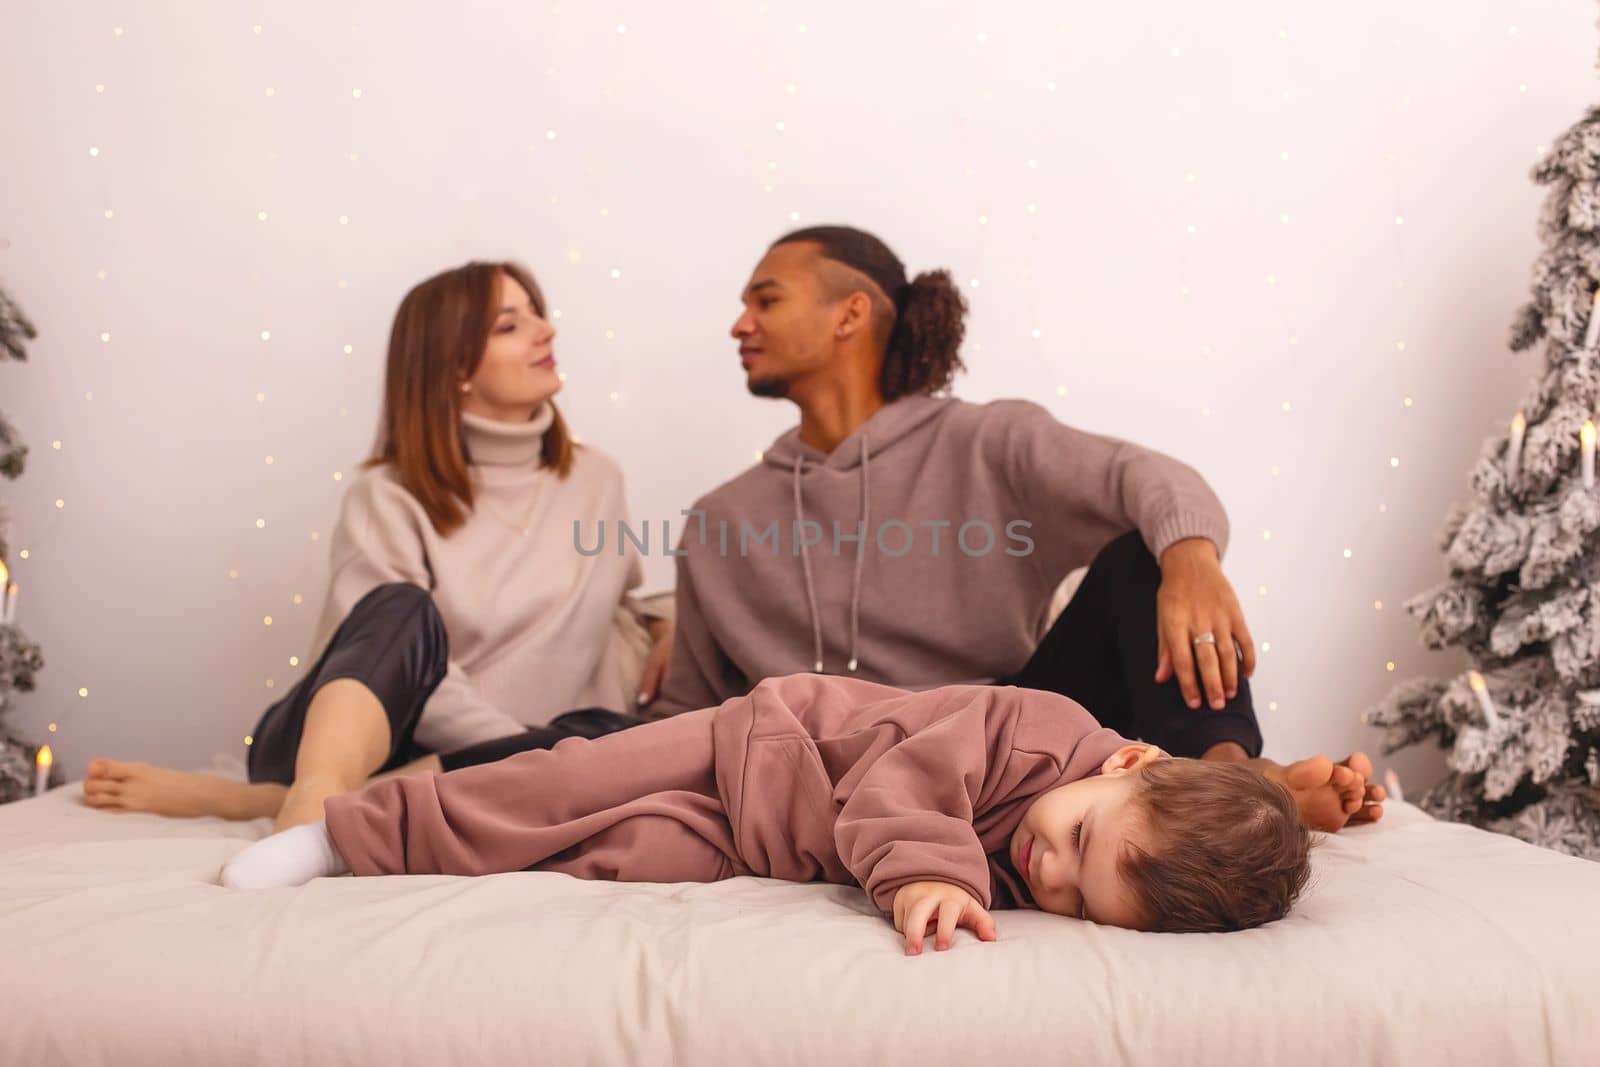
{"points": [[1207, 638]]}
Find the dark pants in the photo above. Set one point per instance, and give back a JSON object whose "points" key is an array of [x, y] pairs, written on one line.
{"points": [[394, 643], [585, 722], [1101, 652]]}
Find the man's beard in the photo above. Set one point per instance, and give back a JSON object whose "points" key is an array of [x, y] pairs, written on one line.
{"points": [[776, 388]]}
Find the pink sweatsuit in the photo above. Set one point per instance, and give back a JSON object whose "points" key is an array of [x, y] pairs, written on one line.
{"points": [[805, 778]]}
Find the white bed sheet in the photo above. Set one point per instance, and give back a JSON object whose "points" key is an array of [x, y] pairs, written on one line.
{"points": [[1419, 942]]}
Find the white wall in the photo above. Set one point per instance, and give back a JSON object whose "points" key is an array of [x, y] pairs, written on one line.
{"points": [[1199, 208]]}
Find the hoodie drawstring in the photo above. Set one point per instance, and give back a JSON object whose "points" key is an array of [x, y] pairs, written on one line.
{"points": [[861, 546], [805, 566]]}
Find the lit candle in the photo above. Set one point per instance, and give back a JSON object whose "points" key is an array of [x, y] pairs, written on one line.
{"points": [[1391, 780], [1481, 691], [1586, 438], [8, 614], [41, 774], [1593, 333], [1519, 427]]}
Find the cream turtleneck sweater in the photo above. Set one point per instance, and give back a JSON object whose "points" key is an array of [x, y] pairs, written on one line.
{"points": [[531, 622]]}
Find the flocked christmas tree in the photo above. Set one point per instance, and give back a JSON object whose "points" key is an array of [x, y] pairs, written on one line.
{"points": [[19, 658], [1522, 728]]}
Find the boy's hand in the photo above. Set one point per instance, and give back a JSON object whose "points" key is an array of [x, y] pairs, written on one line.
{"points": [[916, 904]]}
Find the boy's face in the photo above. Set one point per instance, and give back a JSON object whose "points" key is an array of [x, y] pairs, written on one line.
{"points": [[1068, 842]]}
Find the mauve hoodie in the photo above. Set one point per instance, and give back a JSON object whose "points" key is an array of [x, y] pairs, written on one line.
{"points": [[1023, 500], [805, 778]]}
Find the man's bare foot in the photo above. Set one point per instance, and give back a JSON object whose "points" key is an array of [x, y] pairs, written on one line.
{"points": [[1323, 790], [303, 804], [1371, 809], [1330, 794], [117, 785]]}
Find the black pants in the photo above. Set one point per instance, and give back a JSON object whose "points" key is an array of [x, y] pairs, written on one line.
{"points": [[1102, 651], [394, 643]]}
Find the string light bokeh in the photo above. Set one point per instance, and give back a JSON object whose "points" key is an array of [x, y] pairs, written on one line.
{"points": [[1262, 241]]}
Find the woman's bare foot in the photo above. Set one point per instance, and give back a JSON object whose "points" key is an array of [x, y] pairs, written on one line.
{"points": [[117, 785], [303, 804], [1330, 794]]}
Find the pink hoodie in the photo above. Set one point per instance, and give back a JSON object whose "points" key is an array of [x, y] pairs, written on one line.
{"points": [[972, 516], [805, 778]]}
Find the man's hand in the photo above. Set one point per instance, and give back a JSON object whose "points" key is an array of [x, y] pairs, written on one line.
{"points": [[1195, 598], [655, 666], [916, 904]]}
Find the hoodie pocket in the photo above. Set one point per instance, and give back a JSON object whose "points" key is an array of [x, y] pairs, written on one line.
{"points": [[777, 793]]}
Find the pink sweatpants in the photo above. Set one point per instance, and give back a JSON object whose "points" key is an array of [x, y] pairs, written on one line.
{"points": [[639, 805]]}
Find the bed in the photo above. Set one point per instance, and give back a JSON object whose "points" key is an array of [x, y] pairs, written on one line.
{"points": [[1418, 942]]}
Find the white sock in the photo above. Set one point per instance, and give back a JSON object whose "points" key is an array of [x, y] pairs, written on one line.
{"points": [[293, 857]]}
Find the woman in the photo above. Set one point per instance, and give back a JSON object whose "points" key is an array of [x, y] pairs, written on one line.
{"points": [[464, 621]]}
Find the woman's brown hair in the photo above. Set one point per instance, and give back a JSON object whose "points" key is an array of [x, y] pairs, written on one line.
{"points": [[435, 344]]}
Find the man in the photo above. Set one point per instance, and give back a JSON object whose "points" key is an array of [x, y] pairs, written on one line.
{"points": [[915, 540]]}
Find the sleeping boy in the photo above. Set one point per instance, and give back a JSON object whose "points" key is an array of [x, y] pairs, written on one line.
{"points": [[942, 804]]}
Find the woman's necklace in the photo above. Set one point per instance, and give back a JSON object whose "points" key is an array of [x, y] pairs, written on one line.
{"points": [[521, 527]]}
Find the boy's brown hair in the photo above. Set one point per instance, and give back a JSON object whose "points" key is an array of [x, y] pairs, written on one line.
{"points": [[1228, 851]]}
